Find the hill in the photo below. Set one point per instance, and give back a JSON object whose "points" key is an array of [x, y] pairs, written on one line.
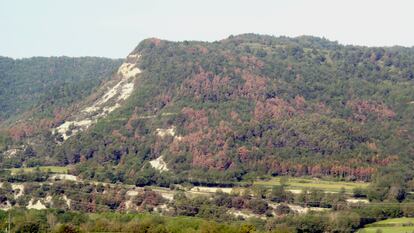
{"points": [[47, 82], [241, 107], [42, 88]]}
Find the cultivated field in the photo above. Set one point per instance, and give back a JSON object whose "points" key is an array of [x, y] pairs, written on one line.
{"points": [[294, 183], [52, 169], [394, 225]]}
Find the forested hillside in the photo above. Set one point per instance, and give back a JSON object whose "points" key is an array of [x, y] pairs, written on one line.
{"points": [[245, 106], [43, 84]]}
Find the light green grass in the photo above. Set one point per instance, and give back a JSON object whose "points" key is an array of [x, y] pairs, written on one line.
{"points": [[52, 169], [408, 229], [388, 226], [302, 183], [396, 221]]}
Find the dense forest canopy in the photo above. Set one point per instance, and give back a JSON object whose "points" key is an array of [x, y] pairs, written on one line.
{"points": [[46, 83], [245, 106]]}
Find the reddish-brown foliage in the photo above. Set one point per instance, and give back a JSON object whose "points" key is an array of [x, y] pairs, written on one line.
{"points": [[362, 109], [195, 119], [274, 108], [206, 86], [254, 85], [252, 61], [19, 131]]}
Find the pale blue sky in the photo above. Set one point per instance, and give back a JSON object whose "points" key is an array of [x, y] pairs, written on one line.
{"points": [[112, 28]]}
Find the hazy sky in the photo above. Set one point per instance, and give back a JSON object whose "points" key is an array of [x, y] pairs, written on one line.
{"points": [[112, 28]]}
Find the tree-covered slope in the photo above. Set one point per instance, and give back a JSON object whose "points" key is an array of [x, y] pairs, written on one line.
{"points": [[251, 105], [45, 83]]}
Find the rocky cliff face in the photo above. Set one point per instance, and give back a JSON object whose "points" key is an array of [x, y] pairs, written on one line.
{"points": [[109, 97]]}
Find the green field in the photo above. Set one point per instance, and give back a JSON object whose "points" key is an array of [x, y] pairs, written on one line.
{"points": [[52, 169], [408, 229], [394, 225], [396, 221], [302, 183]]}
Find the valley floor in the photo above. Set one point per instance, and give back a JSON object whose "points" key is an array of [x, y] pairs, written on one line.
{"points": [[294, 185]]}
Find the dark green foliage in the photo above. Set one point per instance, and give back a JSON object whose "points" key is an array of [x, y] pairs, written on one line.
{"points": [[278, 194], [359, 192], [390, 184], [29, 227], [67, 229], [48, 83], [258, 206]]}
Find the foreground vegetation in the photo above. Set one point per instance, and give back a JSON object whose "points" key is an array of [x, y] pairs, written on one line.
{"points": [[34, 221], [90, 206], [61, 221], [341, 221]]}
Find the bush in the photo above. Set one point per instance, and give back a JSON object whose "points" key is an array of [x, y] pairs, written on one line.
{"points": [[67, 229], [258, 206], [283, 209], [28, 227], [359, 192]]}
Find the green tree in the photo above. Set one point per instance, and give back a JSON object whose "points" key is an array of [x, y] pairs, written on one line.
{"points": [[28, 227], [67, 229]]}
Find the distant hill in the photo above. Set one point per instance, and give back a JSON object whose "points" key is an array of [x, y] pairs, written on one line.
{"points": [[45, 83], [241, 107]]}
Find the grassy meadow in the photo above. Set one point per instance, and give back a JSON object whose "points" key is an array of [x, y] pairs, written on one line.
{"points": [[51, 169], [393, 225], [294, 183]]}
